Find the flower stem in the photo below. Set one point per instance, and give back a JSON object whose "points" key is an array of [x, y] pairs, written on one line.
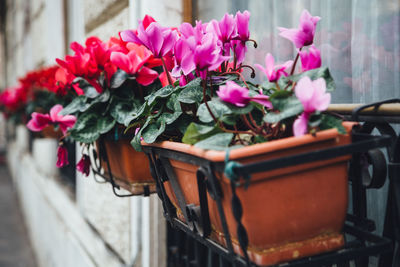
{"points": [[277, 86], [295, 61], [167, 72], [248, 124], [254, 42], [205, 100], [253, 72]]}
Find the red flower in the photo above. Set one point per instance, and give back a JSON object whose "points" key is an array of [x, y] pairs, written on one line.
{"points": [[62, 156], [84, 165], [133, 64]]}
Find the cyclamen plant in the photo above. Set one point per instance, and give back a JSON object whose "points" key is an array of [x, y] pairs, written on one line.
{"points": [[114, 78], [212, 106]]}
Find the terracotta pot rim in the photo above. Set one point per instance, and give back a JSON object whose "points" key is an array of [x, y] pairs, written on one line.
{"points": [[241, 152]]}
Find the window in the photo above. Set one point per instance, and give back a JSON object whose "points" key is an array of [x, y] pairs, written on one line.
{"points": [[359, 40]]}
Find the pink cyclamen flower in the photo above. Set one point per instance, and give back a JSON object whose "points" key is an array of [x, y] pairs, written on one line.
{"points": [[133, 64], [304, 35], [239, 96], [157, 39], [83, 165], [225, 30], [274, 72], [40, 121], [311, 59], [183, 56], [313, 96], [242, 25], [234, 94], [64, 122], [62, 156]]}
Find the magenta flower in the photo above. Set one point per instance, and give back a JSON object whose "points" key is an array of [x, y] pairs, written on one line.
{"points": [[157, 39], [83, 165], [234, 94], [242, 25], [201, 55], [195, 34], [304, 35], [225, 30], [184, 59], [239, 96], [313, 96], [311, 59], [262, 100], [40, 121], [62, 156], [274, 72]]}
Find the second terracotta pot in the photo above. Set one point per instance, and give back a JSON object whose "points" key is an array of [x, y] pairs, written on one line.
{"points": [[129, 168]]}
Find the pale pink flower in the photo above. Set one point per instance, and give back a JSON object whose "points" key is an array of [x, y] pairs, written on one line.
{"points": [[313, 96], [274, 72], [304, 35]]}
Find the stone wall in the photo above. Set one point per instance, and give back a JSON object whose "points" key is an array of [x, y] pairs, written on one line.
{"points": [[88, 227]]}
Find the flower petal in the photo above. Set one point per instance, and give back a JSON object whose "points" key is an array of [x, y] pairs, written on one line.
{"points": [[146, 76]]}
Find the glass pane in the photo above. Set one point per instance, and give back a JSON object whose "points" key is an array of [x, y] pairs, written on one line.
{"points": [[358, 39]]}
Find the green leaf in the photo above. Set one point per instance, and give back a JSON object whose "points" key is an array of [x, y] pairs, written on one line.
{"points": [[218, 108], [238, 110], [89, 127], [152, 131], [135, 142], [170, 118], [267, 85], [192, 92], [103, 97], [314, 74], [161, 93], [118, 78], [121, 110], [281, 94], [329, 122], [219, 141], [288, 107], [90, 91], [173, 103], [142, 110], [78, 104], [197, 132]]}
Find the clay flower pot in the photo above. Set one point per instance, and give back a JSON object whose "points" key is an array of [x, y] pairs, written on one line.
{"points": [[129, 168], [49, 132], [288, 213]]}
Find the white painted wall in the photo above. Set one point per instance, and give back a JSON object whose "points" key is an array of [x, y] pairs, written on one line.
{"points": [[95, 228]]}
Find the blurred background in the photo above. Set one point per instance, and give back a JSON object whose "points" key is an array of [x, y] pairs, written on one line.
{"points": [[74, 221]]}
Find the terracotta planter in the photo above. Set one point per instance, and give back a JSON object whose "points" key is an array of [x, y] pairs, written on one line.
{"points": [[49, 132], [129, 167], [288, 213]]}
